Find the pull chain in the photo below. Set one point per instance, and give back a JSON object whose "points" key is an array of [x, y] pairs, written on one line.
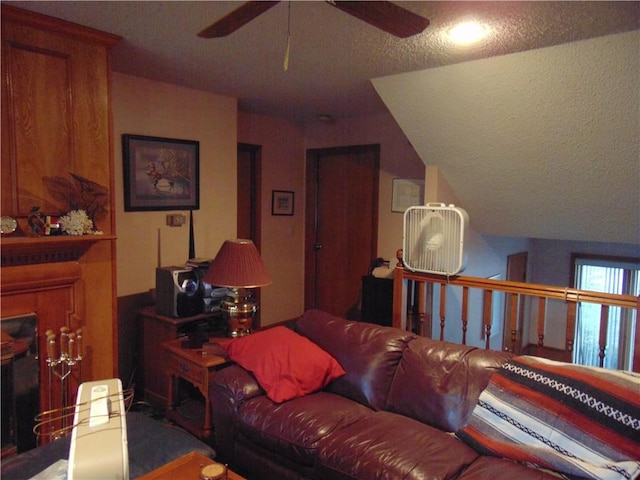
{"points": [[286, 54]]}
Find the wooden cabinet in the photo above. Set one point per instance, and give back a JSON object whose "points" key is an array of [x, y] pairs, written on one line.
{"points": [[55, 122], [158, 329], [55, 116]]}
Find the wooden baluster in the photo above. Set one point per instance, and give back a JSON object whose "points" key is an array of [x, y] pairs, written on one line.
{"points": [[443, 308], [487, 309], [513, 321], [604, 327], [542, 315], [427, 317], [571, 326], [419, 308], [412, 304], [465, 313]]}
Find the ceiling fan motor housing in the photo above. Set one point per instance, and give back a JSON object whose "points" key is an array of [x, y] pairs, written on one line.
{"points": [[435, 238]]}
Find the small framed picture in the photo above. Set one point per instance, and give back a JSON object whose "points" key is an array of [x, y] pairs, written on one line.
{"points": [[282, 202], [406, 193], [160, 173]]}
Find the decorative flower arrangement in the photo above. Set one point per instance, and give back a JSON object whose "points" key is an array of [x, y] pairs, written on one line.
{"points": [[77, 222], [79, 194], [86, 200]]}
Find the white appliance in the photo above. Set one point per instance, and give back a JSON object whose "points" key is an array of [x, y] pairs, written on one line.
{"points": [[434, 239], [99, 448]]}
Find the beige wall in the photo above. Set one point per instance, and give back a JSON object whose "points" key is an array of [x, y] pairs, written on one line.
{"points": [[152, 108], [145, 107]]}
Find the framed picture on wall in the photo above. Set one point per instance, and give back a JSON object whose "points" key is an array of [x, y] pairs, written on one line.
{"points": [[160, 173], [282, 202], [406, 193]]}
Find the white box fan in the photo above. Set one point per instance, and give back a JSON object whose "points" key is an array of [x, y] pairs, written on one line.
{"points": [[434, 239]]}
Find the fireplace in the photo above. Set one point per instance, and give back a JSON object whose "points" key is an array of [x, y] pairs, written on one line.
{"points": [[21, 382], [38, 298]]}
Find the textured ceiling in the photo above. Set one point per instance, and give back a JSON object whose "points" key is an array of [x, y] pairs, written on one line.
{"points": [[333, 55], [541, 144]]}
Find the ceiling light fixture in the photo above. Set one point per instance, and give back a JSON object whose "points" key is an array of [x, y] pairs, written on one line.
{"points": [[467, 33]]}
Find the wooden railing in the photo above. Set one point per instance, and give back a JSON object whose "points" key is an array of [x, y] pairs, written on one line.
{"points": [[413, 309]]}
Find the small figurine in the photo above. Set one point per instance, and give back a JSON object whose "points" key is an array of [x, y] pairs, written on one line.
{"points": [[36, 222]]}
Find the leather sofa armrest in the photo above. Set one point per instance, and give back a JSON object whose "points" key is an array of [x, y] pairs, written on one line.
{"points": [[229, 388], [239, 385]]}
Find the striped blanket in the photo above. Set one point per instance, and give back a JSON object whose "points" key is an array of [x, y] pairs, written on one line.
{"points": [[580, 421]]}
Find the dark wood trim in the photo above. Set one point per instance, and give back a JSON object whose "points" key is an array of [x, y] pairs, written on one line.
{"points": [[32, 250], [56, 25]]}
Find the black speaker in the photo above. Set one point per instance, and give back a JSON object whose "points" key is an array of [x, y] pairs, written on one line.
{"points": [[178, 293], [377, 300]]}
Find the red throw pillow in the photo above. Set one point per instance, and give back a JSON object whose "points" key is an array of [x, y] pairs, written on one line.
{"points": [[286, 364]]}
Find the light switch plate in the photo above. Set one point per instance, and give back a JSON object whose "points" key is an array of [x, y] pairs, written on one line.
{"points": [[176, 220]]}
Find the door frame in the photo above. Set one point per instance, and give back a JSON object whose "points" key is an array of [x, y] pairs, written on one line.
{"points": [[254, 190]]}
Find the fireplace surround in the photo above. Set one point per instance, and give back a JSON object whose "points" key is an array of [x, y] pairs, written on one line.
{"points": [[51, 293], [66, 281]]}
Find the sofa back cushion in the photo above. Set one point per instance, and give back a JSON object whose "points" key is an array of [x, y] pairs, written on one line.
{"points": [[368, 353], [439, 383]]}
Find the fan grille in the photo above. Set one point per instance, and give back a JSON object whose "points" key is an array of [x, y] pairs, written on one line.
{"points": [[434, 239]]}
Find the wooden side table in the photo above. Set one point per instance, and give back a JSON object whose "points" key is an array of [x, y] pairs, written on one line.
{"points": [[187, 466], [156, 330], [195, 366]]}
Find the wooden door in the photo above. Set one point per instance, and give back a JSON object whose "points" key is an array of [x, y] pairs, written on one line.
{"points": [[516, 272], [248, 204], [341, 226]]}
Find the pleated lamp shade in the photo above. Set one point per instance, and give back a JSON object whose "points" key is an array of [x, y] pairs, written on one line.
{"points": [[238, 265]]}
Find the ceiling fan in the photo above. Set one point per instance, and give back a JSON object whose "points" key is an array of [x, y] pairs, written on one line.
{"points": [[384, 15]]}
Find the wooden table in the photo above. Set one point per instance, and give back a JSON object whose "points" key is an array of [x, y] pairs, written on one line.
{"points": [[188, 467], [196, 367], [158, 329]]}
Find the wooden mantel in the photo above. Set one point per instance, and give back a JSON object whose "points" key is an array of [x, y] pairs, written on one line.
{"points": [[17, 251]]}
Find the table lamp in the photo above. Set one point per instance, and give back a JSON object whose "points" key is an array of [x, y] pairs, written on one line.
{"points": [[239, 267]]}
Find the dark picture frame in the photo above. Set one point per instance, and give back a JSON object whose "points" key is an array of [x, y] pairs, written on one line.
{"points": [[160, 173], [282, 202]]}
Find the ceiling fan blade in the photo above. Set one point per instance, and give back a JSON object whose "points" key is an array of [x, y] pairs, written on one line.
{"points": [[236, 19], [386, 16]]}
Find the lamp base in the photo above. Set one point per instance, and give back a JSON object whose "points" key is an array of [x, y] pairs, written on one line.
{"points": [[239, 309]]}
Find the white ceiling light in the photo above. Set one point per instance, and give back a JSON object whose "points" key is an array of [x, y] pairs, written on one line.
{"points": [[467, 32]]}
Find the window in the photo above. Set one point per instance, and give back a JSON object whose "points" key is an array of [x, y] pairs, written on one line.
{"points": [[610, 275]]}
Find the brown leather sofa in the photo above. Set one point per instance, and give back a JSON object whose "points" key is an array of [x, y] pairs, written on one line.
{"points": [[391, 416]]}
